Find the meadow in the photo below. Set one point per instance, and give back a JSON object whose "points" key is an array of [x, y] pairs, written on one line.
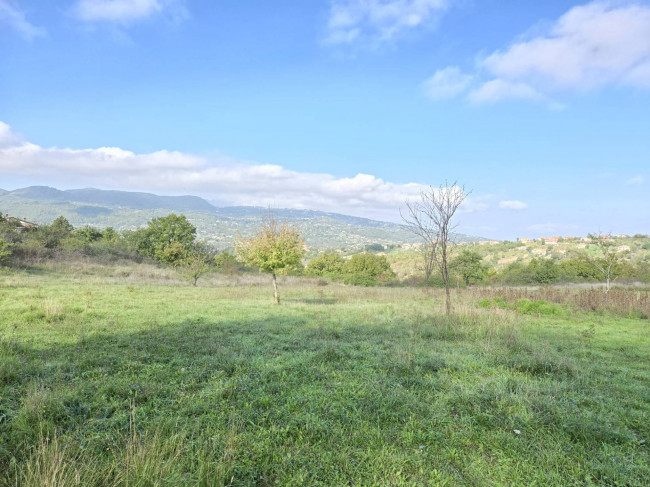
{"points": [[125, 375]]}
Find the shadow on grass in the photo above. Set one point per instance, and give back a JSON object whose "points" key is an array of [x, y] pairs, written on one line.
{"points": [[305, 397], [280, 376]]}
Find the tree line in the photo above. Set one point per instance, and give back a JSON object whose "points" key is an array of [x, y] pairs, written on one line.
{"points": [[279, 249]]}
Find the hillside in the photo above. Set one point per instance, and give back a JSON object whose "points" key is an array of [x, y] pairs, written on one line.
{"points": [[498, 255], [125, 210], [120, 199]]}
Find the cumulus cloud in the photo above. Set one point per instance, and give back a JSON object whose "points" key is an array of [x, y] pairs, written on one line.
{"points": [[378, 20], [601, 44], [230, 181], [512, 205], [636, 180], [13, 16], [447, 83], [125, 11]]}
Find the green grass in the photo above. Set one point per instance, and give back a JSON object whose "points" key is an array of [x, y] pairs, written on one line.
{"points": [[110, 380]]}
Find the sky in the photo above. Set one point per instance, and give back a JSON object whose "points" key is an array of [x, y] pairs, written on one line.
{"points": [[541, 110]]}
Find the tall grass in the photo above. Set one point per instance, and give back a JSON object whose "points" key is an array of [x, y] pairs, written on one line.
{"points": [[633, 302], [140, 459]]}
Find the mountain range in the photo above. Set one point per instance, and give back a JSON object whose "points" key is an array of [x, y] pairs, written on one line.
{"points": [[125, 210]]}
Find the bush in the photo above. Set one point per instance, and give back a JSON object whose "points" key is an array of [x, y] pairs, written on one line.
{"points": [[375, 247], [5, 252], [539, 307], [367, 270], [326, 265], [543, 271], [515, 274], [523, 306], [494, 303], [88, 234], [227, 263]]}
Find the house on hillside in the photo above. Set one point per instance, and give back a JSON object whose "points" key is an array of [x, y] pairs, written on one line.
{"points": [[19, 222], [26, 224], [551, 240]]}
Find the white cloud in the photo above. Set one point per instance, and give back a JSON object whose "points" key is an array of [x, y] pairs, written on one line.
{"points": [[447, 83], [15, 18], [593, 46], [7, 137], [636, 180], [230, 181], [125, 11], [499, 89], [512, 205], [378, 20]]}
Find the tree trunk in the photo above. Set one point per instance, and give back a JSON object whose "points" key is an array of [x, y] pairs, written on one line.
{"points": [[445, 277], [607, 287], [276, 295], [447, 298]]}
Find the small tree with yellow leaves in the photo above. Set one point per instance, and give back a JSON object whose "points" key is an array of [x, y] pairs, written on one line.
{"points": [[276, 249]]}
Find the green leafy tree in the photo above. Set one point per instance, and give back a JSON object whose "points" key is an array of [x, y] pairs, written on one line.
{"points": [[326, 265], [543, 271], [167, 239], [51, 236], [367, 270], [578, 268], [469, 266], [276, 249], [61, 225]]}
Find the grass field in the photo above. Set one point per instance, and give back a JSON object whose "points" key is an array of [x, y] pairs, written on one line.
{"points": [[126, 376]]}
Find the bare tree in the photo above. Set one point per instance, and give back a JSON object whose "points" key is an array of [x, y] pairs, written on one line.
{"points": [[427, 252], [430, 217]]}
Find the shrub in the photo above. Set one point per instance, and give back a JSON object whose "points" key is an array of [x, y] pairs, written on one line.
{"points": [[227, 263], [367, 270], [539, 307], [5, 252], [543, 271], [375, 247], [495, 303], [88, 234], [326, 265]]}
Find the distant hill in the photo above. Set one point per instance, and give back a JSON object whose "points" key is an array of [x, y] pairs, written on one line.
{"points": [[125, 199], [126, 210]]}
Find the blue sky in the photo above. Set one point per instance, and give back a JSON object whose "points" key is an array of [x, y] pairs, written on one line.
{"points": [[541, 108]]}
